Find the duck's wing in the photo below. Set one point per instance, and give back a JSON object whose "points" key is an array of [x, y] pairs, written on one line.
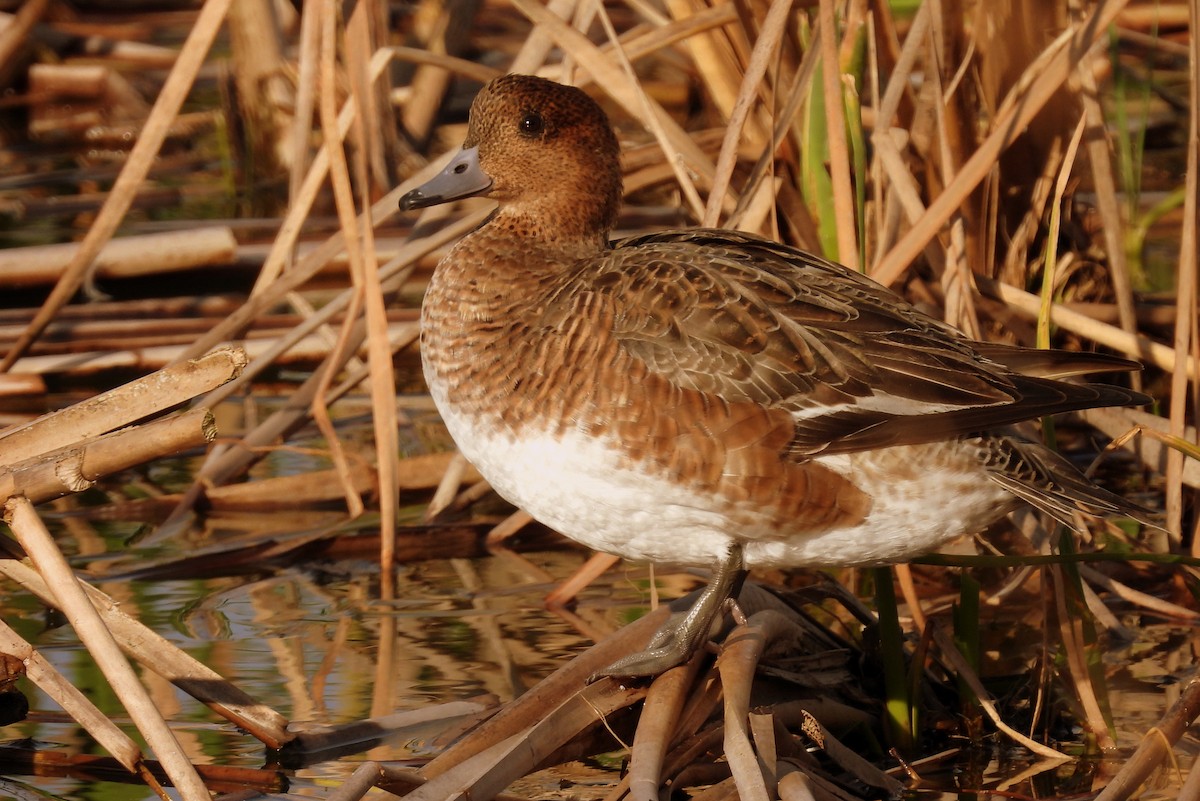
{"points": [[744, 319]]}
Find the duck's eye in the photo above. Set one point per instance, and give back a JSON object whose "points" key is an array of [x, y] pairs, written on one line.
{"points": [[532, 124]]}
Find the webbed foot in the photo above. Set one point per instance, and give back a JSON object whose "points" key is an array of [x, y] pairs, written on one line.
{"points": [[685, 631]]}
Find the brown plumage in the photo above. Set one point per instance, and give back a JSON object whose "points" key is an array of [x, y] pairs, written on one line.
{"points": [[711, 397]]}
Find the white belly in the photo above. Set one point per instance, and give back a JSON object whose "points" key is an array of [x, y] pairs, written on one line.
{"points": [[576, 485]]}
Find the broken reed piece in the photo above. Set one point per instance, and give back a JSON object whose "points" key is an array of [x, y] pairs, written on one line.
{"points": [[76, 467], [127, 257], [119, 407], [1155, 746]]}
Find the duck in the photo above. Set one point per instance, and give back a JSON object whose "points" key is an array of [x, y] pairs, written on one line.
{"points": [[710, 398]]}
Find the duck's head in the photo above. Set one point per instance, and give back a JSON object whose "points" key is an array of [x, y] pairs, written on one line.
{"points": [[545, 151]]}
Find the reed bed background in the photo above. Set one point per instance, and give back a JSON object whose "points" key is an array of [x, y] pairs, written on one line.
{"points": [[1002, 164]]}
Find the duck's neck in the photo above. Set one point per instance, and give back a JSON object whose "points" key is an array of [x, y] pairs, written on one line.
{"points": [[550, 229]]}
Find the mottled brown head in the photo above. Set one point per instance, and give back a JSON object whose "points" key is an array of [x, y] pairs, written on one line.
{"points": [[549, 150]]}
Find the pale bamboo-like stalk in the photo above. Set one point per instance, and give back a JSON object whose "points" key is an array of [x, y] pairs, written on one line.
{"points": [[266, 287], [620, 87], [382, 375], [76, 467], [37, 542], [1071, 636], [121, 406], [1106, 195], [339, 177], [1138, 346], [126, 257], [658, 124]]}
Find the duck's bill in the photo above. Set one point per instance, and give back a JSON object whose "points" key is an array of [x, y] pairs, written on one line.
{"points": [[461, 178]]}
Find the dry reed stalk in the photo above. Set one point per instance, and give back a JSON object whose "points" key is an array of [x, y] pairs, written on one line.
{"points": [[222, 465], [1187, 327], [298, 150], [289, 492], [1071, 634], [1051, 267], [774, 26], [508, 527], [658, 727], [13, 384], [486, 773], [667, 136], [76, 467], [159, 655], [566, 590], [847, 758], [523, 713], [141, 158], [382, 378], [14, 36], [326, 738], [364, 778], [262, 95], [623, 89], [1039, 82], [459, 66], [1155, 746], [1137, 346], [47, 678], [301, 203], [1107, 200], [447, 488], [443, 28], [423, 470], [963, 669], [29, 530], [1133, 596], [1151, 450], [739, 658], [279, 350], [121, 406], [339, 176], [835, 124], [377, 141], [265, 298]]}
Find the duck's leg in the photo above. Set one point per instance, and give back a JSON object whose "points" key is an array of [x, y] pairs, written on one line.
{"points": [[680, 636]]}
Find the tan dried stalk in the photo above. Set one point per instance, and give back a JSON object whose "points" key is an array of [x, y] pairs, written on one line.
{"points": [[1040, 80], [76, 467], [127, 257], [121, 406], [1155, 746], [658, 727], [1187, 298], [963, 669], [835, 125], [773, 29]]}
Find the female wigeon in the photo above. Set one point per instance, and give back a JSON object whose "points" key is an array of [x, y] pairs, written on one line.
{"points": [[706, 397]]}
